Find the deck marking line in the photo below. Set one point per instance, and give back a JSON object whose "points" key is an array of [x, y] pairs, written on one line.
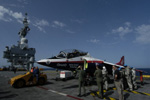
{"points": [[144, 93], [106, 98], [63, 94], [42, 87], [136, 92], [57, 92], [74, 97], [5, 76]]}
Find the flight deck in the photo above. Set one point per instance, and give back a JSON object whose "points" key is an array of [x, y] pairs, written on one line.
{"points": [[64, 90]]}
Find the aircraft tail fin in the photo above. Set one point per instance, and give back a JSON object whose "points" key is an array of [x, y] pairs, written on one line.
{"points": [[121, 62]]}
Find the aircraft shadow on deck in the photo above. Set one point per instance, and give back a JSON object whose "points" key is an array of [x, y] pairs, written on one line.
{"points": [[143, 83], [7, 94], [73, 86], [108, 93], [126, 96], [63, 79], [4, 92], [48, 83]]}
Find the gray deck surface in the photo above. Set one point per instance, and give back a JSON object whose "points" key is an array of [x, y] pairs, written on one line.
{"points": [[63, 90]]}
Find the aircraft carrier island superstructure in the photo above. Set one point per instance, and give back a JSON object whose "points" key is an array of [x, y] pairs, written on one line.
{"points": [[21, 54]]}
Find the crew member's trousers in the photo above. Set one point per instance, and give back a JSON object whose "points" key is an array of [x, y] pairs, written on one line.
{"points": [[119, 87]]}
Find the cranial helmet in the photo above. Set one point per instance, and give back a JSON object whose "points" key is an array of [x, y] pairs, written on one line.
{"points": [[104, 67], [97, 64]]}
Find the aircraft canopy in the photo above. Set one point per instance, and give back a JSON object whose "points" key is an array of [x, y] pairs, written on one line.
{"points": [[70, 53]]}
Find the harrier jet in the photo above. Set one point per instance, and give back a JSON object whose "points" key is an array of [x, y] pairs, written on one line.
{"points": [[71, 59]]}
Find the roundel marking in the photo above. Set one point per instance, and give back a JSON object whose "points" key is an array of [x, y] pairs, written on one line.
{"points": [[48, 62]]}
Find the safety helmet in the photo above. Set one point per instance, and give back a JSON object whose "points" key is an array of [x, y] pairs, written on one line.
{"points": [[104, 67], [125, 65], [97, 64], [119, 68]]}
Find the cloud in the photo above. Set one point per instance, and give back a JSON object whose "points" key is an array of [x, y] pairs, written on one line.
{"points": [[23, 1], [128, 24], [4, 11], [94, 41], [7, 15], [123, 30], [40, 24], [58, 24], [77, 21], [69, 31], [15, 5], [17, 15], [143, 34], [19, 3]]}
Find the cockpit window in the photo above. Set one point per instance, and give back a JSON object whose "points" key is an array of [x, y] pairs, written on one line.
{"points": [[70, 53], [75, 53], [61, 55]]}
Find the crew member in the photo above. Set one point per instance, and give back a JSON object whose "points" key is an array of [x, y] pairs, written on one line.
{"points": [[36, 73], [128, 77], [105, 77], [32, 69], [141, 78], [15, 69], [123, 79], [118, 82], [82, 77], [99, 80], [133, 71]]}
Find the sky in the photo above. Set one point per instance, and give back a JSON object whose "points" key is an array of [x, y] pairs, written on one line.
{"points": [[107, 29]]}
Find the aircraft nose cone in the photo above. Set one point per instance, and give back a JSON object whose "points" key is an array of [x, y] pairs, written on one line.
{"points": [[41, 62], [48, 62], [44, 62]]}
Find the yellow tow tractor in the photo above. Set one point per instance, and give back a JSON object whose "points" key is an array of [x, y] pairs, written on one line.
{"points": [[27, 79]]}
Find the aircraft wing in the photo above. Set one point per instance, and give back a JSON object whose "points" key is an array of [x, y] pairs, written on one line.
{"points": [[94, 60], [141, 71], [108, 65]]}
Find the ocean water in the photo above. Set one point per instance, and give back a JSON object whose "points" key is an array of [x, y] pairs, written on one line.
{"points": [[146, 71], [49, 68]]}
